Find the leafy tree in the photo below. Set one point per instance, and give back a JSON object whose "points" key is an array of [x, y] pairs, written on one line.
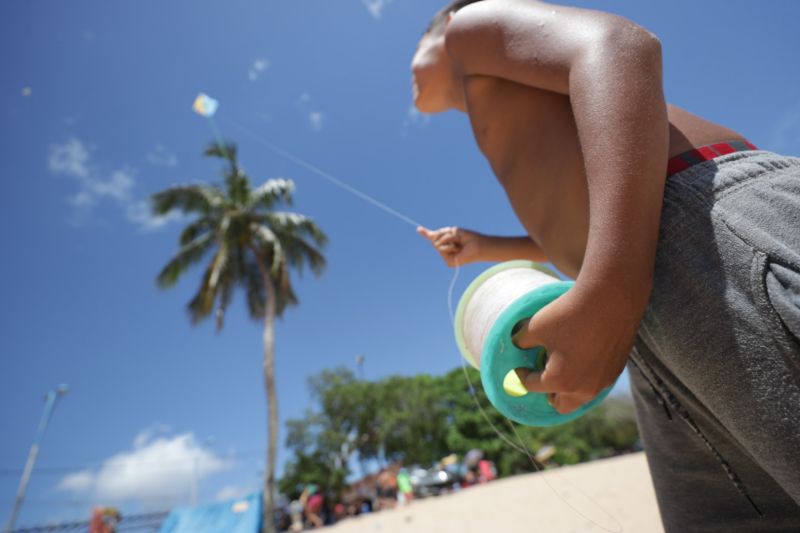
{"points": [[251, 245], [315, 468], [420, 419], [346, 424]]}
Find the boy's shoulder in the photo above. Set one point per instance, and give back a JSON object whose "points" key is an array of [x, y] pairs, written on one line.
{"points": [[500, 15], [533, 42]]}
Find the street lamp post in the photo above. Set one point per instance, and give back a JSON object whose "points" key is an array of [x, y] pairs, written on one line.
{"points": [[49, 405], [209, 441], [360, 365]]}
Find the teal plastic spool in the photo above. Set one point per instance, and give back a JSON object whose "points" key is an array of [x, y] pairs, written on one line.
{"points": [[500, 355]]}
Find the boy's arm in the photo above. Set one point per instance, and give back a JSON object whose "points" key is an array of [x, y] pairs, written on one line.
{"points": [[459, 246], [611, 70]]}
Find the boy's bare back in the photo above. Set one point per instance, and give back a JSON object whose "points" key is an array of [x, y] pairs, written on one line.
{"points": [[530, 138], [568, 106]]}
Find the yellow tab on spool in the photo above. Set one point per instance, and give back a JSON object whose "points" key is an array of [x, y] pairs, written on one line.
{"points": [[513, 386]]}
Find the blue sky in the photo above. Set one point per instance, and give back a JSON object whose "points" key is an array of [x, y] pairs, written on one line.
{"points": [[96, 116]]}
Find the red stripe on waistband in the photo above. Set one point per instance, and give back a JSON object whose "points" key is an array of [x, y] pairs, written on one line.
{"points": [[690, 158]]}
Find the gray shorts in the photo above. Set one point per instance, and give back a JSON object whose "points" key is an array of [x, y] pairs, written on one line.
{"points": [[715, 370]]}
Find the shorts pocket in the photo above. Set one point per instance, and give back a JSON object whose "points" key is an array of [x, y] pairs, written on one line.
{"points": [[776, 288], [783, 290]]}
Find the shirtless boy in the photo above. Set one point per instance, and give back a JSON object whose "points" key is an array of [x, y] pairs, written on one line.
{"points": [[682, 237]]}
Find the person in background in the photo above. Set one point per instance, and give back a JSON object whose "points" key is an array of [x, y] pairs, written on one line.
{"points": [[296, 514], [405, 490], [314, 502]]}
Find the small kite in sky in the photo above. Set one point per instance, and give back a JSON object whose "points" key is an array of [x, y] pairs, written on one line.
{"points": [[205, 105]]}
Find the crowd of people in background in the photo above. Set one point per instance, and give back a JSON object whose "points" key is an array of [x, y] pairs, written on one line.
{"points": [[392, 486]]}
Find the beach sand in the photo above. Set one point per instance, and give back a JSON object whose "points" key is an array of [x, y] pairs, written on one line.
{"points": [[615, 493]]}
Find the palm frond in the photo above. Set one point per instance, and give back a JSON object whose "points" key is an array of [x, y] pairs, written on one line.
{"points": [[253, 284], [202, 303], [188, 255], [294, 223], [268, 247], [197, 228], [238, 185], [200, 199], [218, 266], [284, 295], [272, 192], [226, 286], [295, 231], [299, 253], [224, 150]]}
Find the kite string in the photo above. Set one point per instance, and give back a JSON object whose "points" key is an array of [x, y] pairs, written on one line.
{"points": [[319, 172], [522, 447]]}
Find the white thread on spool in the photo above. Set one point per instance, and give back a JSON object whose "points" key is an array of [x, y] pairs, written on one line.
{"points": [[494, 294], [458, 320]]}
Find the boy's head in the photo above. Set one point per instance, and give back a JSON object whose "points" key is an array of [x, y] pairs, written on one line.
{"points": [[434, 87], [439, 20]]}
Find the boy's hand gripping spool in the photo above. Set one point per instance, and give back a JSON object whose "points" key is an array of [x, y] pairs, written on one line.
{"points": [[487, 317]]}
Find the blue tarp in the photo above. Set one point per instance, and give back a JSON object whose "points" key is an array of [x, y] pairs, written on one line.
{"points": [[236, 516]]}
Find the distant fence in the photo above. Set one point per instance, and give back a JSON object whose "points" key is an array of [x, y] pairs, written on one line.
{"points": [[149, 522]]}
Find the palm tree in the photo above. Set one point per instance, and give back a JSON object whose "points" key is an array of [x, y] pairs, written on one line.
{"points": [[250, 245]]}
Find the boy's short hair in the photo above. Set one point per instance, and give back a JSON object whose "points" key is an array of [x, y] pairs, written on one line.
{"points": [[437, 23]]}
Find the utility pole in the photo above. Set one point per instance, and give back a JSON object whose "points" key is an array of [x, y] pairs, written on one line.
{"points": [[209, 441], [360, 365], [49, 405]]}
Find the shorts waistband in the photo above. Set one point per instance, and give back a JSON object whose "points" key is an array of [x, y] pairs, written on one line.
{"points": [[692, 157]]}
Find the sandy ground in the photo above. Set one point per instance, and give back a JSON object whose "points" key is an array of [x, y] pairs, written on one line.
{"points": [[616, 494]]}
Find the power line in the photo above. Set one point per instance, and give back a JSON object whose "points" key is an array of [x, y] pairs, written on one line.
{"points": [[9, 471]]}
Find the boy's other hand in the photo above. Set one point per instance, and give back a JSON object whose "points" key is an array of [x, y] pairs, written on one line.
{"points": [[588, 337], [457, 246]]}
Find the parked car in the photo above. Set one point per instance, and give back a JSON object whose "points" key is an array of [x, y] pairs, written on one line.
{"points": [[434, 481]]}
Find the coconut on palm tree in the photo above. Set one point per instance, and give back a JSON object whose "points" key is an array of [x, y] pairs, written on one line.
{"points": [[246, 242]]}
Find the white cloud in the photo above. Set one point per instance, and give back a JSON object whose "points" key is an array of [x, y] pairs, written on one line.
{"points": [[73, 159], [315, 118], [118, 186], [148, 434], [82, 200], [258, 66], [376, 7], [70, 158], [155, 472], [139, 213], [79, 482], [414, 118], [160, 156]]}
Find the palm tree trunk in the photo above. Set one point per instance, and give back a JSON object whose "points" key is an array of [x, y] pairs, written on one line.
{"points": [[267, 522]]}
